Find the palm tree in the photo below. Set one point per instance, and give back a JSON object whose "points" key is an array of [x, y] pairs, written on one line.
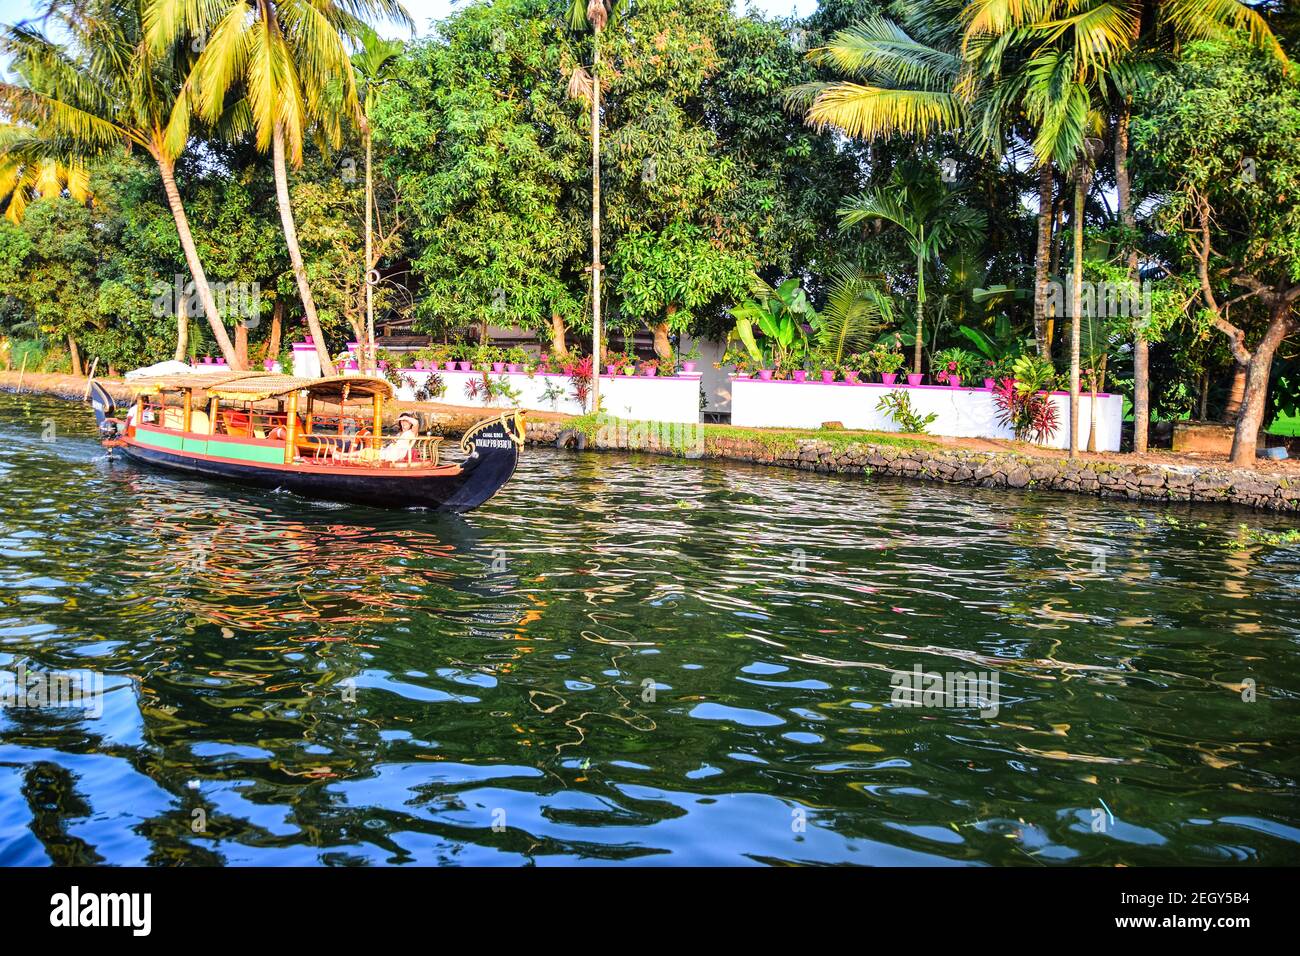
{"points": [[374, 64], [931, 217], [912, 77], [290, 58], [109, 91], [1113, 43]]}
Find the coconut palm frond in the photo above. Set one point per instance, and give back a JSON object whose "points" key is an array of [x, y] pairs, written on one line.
{"points": [[855, 311], [882, 49], [873, 111], [1208, 19]]}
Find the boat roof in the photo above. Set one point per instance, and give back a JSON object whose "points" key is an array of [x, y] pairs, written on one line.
{"points": [[256, 386]]}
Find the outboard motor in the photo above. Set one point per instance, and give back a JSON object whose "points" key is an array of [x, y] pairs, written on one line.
{"points": [[104, 407]]}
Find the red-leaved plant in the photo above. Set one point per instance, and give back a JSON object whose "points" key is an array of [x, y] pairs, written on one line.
{"points": [[580, 375], [1030, 415]]}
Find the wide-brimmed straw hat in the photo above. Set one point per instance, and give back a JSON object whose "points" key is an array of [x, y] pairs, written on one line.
{"points": [[408, 417]]}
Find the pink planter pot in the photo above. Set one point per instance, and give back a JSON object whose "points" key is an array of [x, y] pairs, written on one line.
{"points": [[611, 369], [765, 374], [465, 366], [512, 368], [744, 375], [268, 364], [651, 372], [828, 377], [889, 378], [954, 381], [914, 378], [207, 360], [851, 378], [799, 375], [498, 367], [419, 364], [449, 366], [688, 367], [990, 384]]}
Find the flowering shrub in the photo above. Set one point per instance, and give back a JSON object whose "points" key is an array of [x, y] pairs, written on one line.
{"points": [[949, 362]]}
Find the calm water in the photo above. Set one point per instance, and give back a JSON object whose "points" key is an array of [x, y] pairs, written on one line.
{"points": [[634, 660]]}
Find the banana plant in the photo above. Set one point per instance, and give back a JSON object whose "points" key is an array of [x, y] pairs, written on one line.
{"points": [[783, 316], [1002, 348]]}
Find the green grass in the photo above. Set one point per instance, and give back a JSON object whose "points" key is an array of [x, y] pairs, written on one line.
{"points": [[772, 440], [789, 437]]}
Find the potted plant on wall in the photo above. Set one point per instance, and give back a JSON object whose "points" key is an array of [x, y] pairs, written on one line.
{"points": [[515, 359], [952, 366], [858, 367], [738, 359], [886, 362], [692, 357]]}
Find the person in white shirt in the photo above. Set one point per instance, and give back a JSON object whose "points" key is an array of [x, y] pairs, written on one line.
{"points": [[403, 447]]}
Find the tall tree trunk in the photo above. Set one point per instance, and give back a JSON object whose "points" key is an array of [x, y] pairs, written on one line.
{"points": [[369, 346], [1076, 305], [277, 332], [920, 306], [167, 170], [596, 354], [75, 354], [1043, 259], [1054, 259], [1141, 349], [1096, 382], [663, 347], [1251, 419], [295, 253], [559, 347], [1236, 394], [182, 332], [241, 343]]}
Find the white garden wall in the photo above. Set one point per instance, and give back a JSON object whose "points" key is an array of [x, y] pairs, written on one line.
{"points": [[306, 364], [673, 398], [962, 412]]}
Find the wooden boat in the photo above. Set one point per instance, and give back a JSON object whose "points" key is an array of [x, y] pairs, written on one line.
{"points": [[319, 438]]}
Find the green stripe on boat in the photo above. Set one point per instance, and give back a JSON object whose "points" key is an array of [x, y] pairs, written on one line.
{"points": [[236, 451]]}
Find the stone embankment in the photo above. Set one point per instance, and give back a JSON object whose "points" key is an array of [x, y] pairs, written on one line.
{"points": [[844, 455]]}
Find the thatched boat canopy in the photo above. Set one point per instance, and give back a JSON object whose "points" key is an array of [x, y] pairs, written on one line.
{"points": [[258, 386]]}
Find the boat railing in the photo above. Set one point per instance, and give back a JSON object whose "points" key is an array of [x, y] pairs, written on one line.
{"points": [[370, 451]]}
